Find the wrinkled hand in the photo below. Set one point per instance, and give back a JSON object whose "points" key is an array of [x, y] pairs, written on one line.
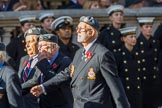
{"points": [[36, 90]]}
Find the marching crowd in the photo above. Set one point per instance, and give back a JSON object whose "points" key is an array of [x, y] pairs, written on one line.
{"points": [[57, 66]]}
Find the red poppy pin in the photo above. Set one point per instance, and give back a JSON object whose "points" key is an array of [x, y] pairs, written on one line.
{"points": [[25, 62], [88, 55], [54, 65]]}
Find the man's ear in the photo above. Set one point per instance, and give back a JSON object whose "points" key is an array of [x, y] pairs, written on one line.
{"points": [[57, 32], [91, 32]]}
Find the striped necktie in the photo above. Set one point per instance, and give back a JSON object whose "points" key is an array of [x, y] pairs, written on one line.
{"points": [[26, 70]]}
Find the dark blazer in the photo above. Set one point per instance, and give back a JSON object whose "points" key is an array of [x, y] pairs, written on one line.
{"points": [[61, 95], [69, 49], [30, 101], [34, 72], [93, 80], [34, 78], [158, 37], [129, 67], [149, 49], [16, 49], [110, 38], [10, 88]]}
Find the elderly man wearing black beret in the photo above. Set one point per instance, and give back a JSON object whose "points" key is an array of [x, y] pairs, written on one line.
{"points": [[16, 47], [27, 68], [93, 72], [60, 97]]}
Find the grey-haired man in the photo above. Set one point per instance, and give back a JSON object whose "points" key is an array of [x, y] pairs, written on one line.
{"points": [[94, 76]]}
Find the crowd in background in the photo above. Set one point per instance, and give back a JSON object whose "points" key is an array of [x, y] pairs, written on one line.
{"points": [[20, 5], [138, 60]]}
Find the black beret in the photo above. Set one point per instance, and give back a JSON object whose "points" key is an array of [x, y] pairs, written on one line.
{"points": [[90, 21], [2, 47], [49, 38]]}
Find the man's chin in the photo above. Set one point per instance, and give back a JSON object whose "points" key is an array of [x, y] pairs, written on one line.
{"points": [[80, 41], [31, 54], [66, 37]]}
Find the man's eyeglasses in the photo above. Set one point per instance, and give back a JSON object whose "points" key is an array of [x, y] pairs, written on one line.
{"points": [[82, 29]]}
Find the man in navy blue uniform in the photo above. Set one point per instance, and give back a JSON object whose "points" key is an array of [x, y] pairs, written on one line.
{"points": [[60, 97], [63, 27]]}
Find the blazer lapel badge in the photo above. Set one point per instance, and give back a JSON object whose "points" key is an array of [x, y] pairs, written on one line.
{"points": [[54, 66], [91, 74], [72, 68], [25, 63]]}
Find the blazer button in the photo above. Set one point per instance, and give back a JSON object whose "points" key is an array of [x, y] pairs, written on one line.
{"points": [[138, 87], [113, 42], [112, 33], [144, 77], [81, 78], [138, 78], [128, 87], [138, 61], [142, 51], [124, 61], [153, 41], [155, 50], [144, 69], [154, 68], [115, 50], [127, 78], [74, 99], [80, 99], [155, 59], [123, 53], [137, 53], [141, 43], [126, 70], [154, 76], [143, 60]]}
